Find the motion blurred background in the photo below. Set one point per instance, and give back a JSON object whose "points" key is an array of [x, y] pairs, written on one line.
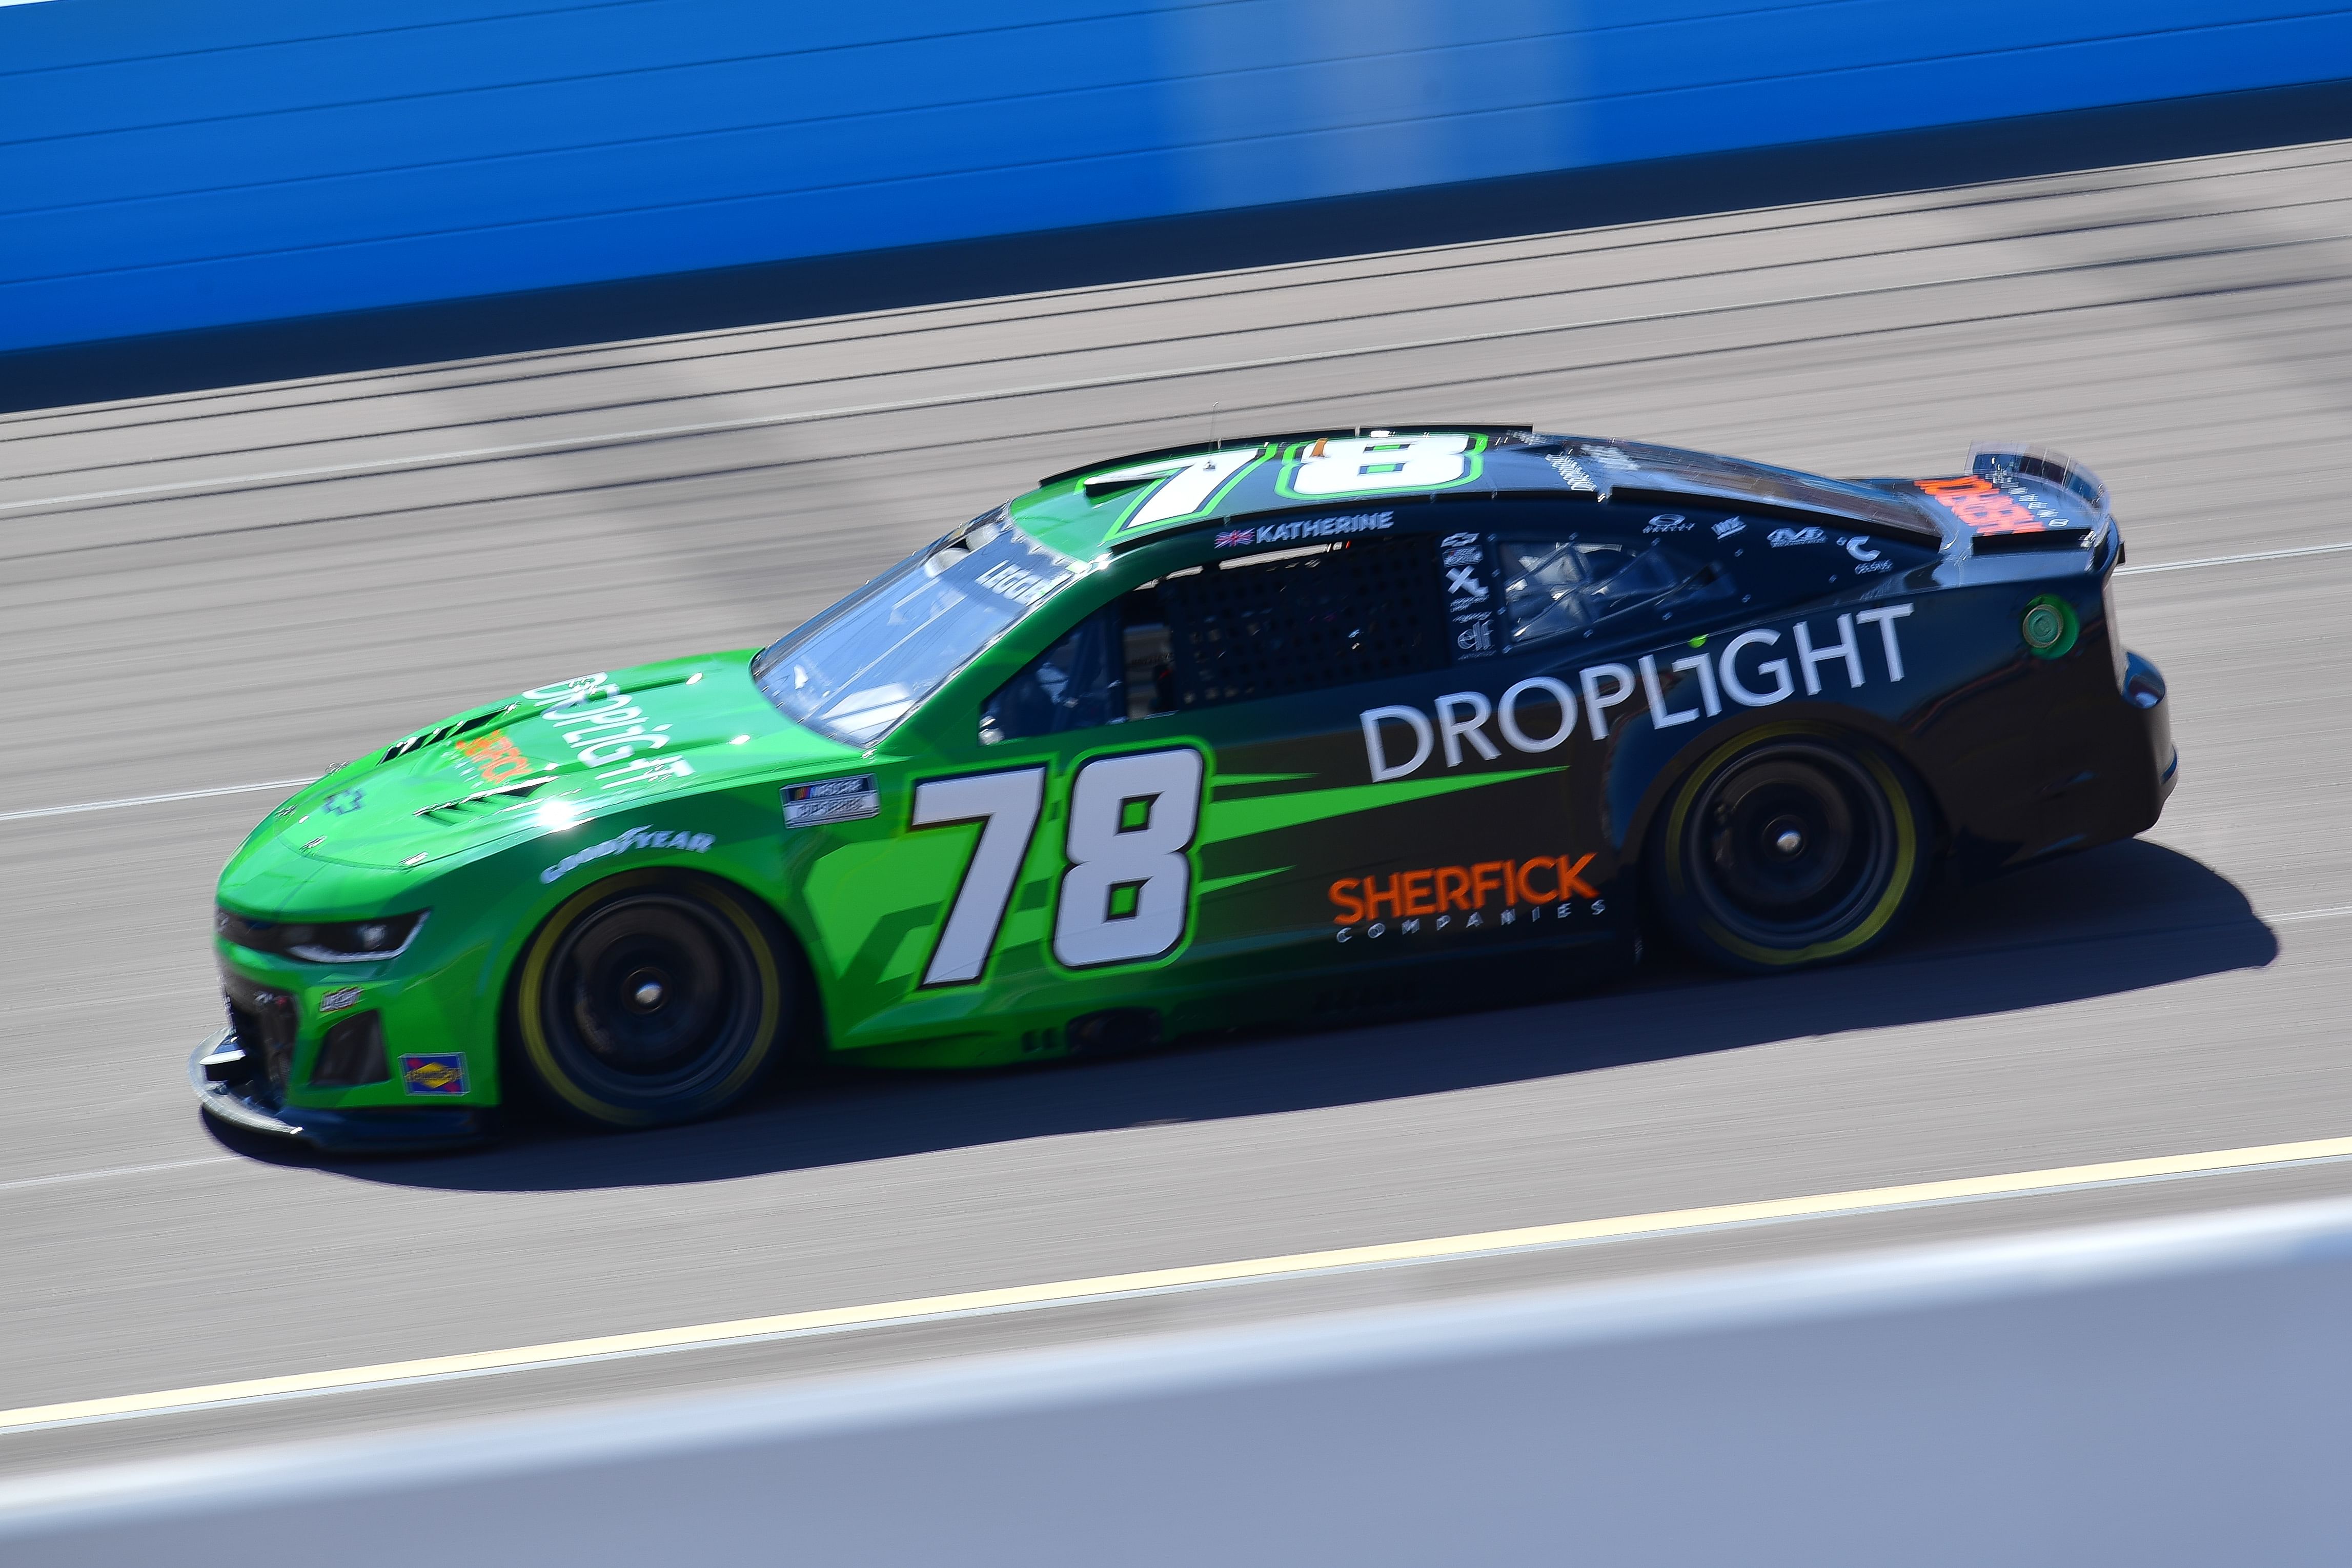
{"points": [[486, 176], [357, 363]]}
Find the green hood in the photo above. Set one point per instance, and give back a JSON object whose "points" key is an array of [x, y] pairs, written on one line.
{"points": [[544, 757]]}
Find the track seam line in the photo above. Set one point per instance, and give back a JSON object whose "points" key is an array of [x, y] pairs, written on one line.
{"points": [[1399, 389], [60, 1180], [2233, 559], [1413, 261], [1164, 1282], [1136, 344], [463, 456], [159, 799]]}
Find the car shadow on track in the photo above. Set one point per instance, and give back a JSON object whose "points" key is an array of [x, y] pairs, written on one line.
{"points": [[2117, 919]]}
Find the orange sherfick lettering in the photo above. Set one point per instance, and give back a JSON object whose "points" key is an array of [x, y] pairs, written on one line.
{"points": [[1571, 878], [1438, 890], [1417, 897]]}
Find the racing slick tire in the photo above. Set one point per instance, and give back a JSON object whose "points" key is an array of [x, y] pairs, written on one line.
{"points": [[1790, 847], [652, 998]]}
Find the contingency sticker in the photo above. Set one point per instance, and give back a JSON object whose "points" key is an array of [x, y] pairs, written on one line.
{"points": [[441, 1073], [831, 800]]}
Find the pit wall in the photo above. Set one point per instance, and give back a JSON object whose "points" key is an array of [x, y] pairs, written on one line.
{"points": [[166, 166]]}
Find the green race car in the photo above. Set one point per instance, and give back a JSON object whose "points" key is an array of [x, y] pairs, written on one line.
{"points": [[1302, 729]]}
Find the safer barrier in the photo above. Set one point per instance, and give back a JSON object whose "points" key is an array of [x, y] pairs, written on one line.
{"points": [[2152, 1394], [167, 166]]}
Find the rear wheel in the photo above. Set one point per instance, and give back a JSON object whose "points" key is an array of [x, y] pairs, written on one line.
{"points": [[1790, 849], [651, 999]]}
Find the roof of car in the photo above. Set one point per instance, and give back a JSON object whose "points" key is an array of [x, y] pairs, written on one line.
{"points": [[1143, 496]]}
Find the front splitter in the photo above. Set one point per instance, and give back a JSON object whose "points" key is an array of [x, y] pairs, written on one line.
{"points": [[375, 1129]]}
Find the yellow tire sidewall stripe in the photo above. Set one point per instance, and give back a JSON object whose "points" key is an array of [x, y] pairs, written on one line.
{"points": [[1906, 847], [527, 991]]}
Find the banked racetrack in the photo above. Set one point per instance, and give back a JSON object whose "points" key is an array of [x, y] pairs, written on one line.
{"points": [[208, 597]]}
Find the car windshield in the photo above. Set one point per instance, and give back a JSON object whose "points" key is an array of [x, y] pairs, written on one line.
{"points": [[854, 671]]}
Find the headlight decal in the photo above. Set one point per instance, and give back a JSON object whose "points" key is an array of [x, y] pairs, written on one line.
{"points": [[367, 941]]}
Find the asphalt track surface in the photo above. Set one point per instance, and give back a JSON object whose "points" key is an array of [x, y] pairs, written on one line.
{"points": [[218, 590]]}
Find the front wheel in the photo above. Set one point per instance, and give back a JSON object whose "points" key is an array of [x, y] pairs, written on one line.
{"points": [[651, 999], [1791, 849]]}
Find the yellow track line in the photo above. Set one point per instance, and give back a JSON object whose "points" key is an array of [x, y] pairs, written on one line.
{"points": [[1442, 1249]]}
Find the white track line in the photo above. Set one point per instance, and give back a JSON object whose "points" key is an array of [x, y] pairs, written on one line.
{"points": [[2339, 913], [23, 1182], [156, 799], [1164, 1282], [2233, 559]]}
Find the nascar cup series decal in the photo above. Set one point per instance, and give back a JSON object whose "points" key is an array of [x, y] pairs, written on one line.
{"points": [[831, 800], [634, 839], [1536, 715]]}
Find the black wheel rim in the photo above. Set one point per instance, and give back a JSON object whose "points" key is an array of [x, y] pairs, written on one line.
{"points": [[1791, 845], [650, 998]]}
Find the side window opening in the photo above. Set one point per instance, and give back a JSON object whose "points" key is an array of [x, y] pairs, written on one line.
{"points": [[1110, 668], [1304, 620], [1559, 587], [1235, 630]]}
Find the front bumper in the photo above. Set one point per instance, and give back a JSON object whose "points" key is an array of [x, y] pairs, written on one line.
{"points": [[248, 1102]]}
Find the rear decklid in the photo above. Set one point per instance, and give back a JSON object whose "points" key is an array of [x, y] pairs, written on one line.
{"points": [[1636, 470], [2022, 498]]}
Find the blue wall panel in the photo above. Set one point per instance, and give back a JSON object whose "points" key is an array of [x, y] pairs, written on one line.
{"points": [[166, 165]]}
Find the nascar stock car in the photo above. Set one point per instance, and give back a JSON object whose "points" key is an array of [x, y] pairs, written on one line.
{"points": [[1304, 728]]}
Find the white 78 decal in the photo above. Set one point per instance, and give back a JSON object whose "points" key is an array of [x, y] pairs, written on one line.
{"points": [[1189, 484], [1005, 805], [1127, 894]]}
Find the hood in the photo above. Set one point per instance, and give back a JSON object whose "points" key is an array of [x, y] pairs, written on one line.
{"points": [[549, 757]]}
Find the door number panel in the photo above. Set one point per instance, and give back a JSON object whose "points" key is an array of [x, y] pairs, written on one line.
{"points": [[1127, 895]]}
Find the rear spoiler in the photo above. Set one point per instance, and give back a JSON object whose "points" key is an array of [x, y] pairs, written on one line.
{"points": [[1986, 458]]}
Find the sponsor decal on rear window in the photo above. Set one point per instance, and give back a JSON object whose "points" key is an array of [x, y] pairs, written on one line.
{"points": [[1867, 557], [1468, 565], [1570, 471], [831, 800]]}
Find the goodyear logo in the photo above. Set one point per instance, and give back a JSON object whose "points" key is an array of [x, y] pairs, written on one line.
{"points": [[442, 1072]]}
